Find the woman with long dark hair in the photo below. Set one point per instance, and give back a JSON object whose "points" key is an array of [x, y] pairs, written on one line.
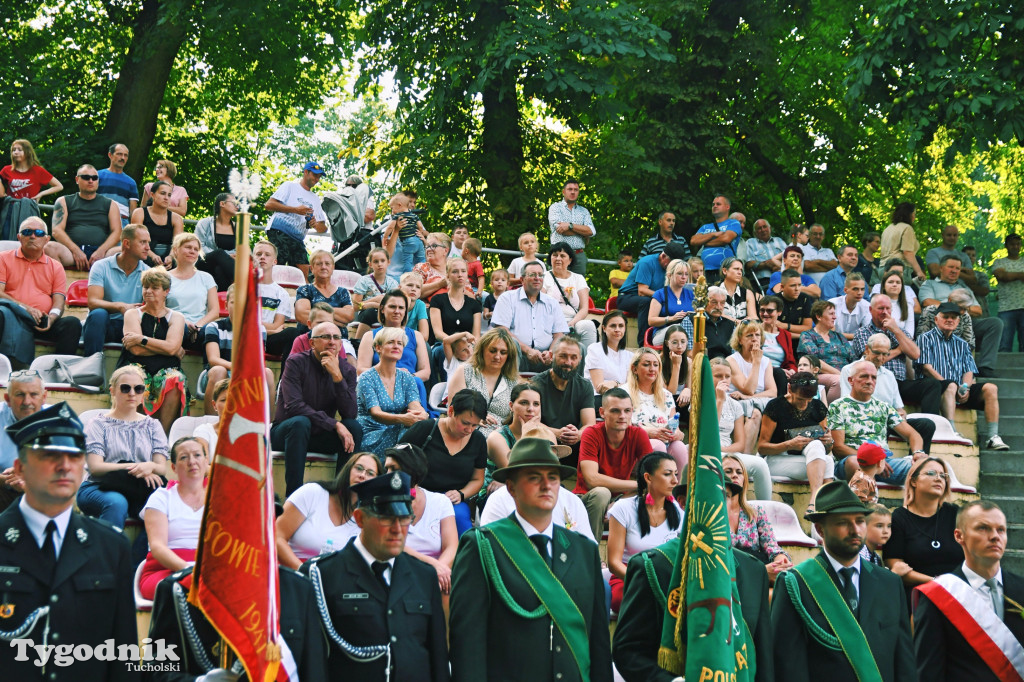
{"points": [[163, 224], [675, 366], [217, 240], [650, 518], [607, 361]]}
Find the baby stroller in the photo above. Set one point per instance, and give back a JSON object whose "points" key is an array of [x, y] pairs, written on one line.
{"points": [[351, 240]]}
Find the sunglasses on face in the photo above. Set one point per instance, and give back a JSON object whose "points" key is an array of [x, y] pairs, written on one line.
{"points": [[127, 389], [768, 311], [31, 232], [89, 178]]}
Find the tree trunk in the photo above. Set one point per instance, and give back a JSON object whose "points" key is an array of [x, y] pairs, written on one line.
{"points": [[156, 38]]}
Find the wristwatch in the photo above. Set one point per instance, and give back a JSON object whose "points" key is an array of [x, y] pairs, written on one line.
{"points": [[145, 340]]}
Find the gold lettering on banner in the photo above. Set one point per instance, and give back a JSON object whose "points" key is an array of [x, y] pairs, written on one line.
{"points": [[252, 621], [709, 675], [248, 392], [240, 554]]}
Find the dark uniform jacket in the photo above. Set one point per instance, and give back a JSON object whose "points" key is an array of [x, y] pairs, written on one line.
{"points": [[638, 631], [409, 616], [490, 642], [300, 629], [883, 617], [943, 653], [90, 597]]}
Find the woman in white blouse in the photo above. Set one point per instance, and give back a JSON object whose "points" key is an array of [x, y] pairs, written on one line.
{"points": [[432, 538], [174, 514], [608, 360], [317, 518], [571, 292]]}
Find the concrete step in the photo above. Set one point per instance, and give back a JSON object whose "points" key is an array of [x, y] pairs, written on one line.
{"points": [[1011, 406], [1010, 426], [1010, 388], [1015, 536], [1004, 484], [1013, 507], [1013, 561], [1006, 462]]}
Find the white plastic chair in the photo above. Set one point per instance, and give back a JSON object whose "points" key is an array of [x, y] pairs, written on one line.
{"points": [[186, 426], [5, 370], [141, 603], [289, 276], [785, 523], [345, 279], [89, 415], [944, 431], [437, 392]]}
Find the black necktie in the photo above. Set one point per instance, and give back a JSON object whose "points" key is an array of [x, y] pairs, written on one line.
{"points": [[541, 543], [849, 589], [378, 570], [49, 548]]}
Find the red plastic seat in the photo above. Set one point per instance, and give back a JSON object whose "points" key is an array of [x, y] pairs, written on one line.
{"points": [[594, 310], [649, 338], [612, 305], [222, 296], [78, 293]]}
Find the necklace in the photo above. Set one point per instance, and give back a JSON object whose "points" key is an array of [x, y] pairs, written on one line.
{"points": [[936, 544]]}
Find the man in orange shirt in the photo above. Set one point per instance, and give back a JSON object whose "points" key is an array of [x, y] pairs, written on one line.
{"points": [[37, 283]]}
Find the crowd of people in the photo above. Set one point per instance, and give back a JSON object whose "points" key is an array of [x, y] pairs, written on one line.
{"points": [[814, 353]]}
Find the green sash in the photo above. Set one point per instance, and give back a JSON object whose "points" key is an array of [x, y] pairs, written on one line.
{"points": [[848, 634], [554, 599]]}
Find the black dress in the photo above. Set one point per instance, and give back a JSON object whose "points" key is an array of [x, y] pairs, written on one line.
{"points": [[785, 416], [154, 328], [914, 537]]}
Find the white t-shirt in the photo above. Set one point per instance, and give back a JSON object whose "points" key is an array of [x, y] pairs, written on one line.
{"points": [[318, 534], [614, 363], [731, 411], [182, 522], [450, 368], [425, 534], [208, 433], [568, 513], [571, 285], [515, 268], [189, 296], [746, 367], [274, 299], [624, 511], [294, 194]]}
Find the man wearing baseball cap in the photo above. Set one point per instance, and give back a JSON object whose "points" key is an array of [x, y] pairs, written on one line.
{"points": [[296, 209], [866, 632], [528, 599], [379, 606]]}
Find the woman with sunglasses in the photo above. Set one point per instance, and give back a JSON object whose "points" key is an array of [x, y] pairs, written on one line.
{"points": [[153, 337], [217, 240], [826, 344], [778, 342], [923, 545], [126, 453], [388, 398], [392, 313], [164, 172], [795, 439], [163, 224], [24, 177], [432, 537], [750, 529], [434, 271], [317, 518]]}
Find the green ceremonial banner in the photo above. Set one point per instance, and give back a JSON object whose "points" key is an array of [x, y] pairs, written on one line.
{"points": [[704, 635]]}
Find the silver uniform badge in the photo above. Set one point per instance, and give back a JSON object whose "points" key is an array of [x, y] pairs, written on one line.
{"points": [[12, 534], [563, 557], [81, 535], [396, 481]]}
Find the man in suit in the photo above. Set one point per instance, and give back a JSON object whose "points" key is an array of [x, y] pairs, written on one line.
{"points": [[866, 605], [542, 616], [52, 558], [947, 640], [384, 605], [300, 628], [638, 631]]}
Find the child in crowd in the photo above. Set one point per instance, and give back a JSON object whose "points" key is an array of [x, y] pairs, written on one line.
{"points": [[499, 285], [617, 277], [458, 348], [696, 266], [812, 364], [206, 434], [529, 246], [370, 289], [459, 236], [471, 251], [870, 457], [411, 233], [411, 285], [879, 529], [277, 305]]}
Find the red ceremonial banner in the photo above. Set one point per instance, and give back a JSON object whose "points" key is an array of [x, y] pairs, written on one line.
{"points": [[235, 581]]}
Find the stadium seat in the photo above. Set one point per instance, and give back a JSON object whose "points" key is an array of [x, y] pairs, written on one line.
{"points": [[289, 276], [594, 310], [5, 370], [141, 603], [612, 304], [45, 363], [186, 426], [785, 523], [78, 293], [435, 400], [649, 339], [345, 279], [89, 415]]}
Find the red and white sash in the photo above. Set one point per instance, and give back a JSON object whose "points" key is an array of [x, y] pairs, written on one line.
{"points": [[972, 615]]}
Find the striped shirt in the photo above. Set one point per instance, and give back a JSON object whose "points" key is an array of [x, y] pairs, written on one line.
{"points": [[950, 357], [656, 245], [559, 212]]}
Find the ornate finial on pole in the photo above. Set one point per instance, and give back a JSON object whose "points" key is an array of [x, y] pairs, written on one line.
{"points": [[700, 303], [245, 187]]}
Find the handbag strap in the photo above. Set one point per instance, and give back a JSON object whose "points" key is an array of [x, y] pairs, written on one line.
{"points": [[562, 291]]}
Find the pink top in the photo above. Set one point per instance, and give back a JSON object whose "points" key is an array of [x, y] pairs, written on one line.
{"points": [[178, 194]]}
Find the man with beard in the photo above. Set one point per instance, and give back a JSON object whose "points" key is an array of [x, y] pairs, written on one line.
{"points": [[866, 634], [566, 398]]}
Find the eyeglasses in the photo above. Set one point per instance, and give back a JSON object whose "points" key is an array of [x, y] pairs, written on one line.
{"points": [[89, 178], [360, 469], [533, 275], [22, 374], [932, 473], [768, 311], [127, 389], [330, 337], [31, 232], [872, 351], [431, 247]]}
